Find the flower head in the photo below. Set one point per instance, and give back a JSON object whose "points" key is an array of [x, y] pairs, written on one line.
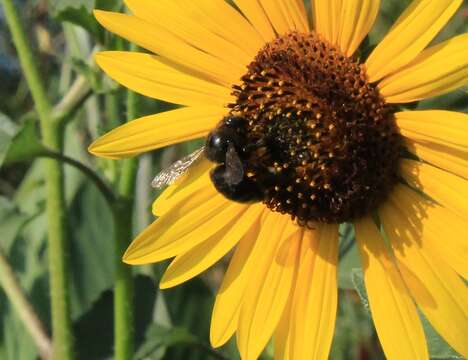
{"points": [[305, 135]]}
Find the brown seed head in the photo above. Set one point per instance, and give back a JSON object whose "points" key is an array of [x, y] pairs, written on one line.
{"points": [[328, 142]]}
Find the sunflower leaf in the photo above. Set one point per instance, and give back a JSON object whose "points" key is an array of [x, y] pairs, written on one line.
{"points": [[80, 13], [8, 130], [82, 17], [158, 338], [94, 338], [349, 257], [24, 145]]}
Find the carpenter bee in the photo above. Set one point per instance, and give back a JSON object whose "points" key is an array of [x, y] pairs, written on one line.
{"points": [[226, 146]]}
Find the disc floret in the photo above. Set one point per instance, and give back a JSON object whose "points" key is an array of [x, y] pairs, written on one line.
{"points": [[326, 143]]}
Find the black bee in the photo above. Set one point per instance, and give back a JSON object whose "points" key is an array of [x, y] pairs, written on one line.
{"points": [[226, 146]]}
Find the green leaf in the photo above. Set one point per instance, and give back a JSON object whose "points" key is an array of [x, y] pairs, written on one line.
{"points": [[94, 77], [81, 16], [190, 306], [158, 338], [12, 221], [80, 12], [92, 246], [8, 129], [57, 6], [349, 257], [25, 144], [93, 330], [358, 282], [28, 266], [438, 348], [107, 4]]}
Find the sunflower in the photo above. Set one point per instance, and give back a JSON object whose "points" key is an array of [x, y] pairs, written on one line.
{"points": [[322, 139]]}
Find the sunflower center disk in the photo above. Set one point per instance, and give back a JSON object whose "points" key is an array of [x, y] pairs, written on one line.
{"points": [[324, 143]]}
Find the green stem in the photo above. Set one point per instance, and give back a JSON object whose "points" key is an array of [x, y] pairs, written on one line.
{"points": [[23, 307], [111, 103], [105, 190], [52, 138], [124, 292], [123, 288]]}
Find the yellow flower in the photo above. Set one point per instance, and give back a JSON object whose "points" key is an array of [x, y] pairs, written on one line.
{"points": [[328, 147]]}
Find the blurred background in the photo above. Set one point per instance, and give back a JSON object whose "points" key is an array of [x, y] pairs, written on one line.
{"points": [[171, 324]]}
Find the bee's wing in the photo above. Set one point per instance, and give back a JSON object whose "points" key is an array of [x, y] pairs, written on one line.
{"points": [[177, 169], [234, 168]]}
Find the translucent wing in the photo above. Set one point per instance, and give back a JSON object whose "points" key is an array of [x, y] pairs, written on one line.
{"points": [[177, 169], [234, 168]]}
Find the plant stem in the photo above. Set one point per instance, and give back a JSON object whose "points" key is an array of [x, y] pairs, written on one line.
{"points": [[72, 101], [25, 311], [105, 190], [111, 103], [57, 239], [124, 287]]}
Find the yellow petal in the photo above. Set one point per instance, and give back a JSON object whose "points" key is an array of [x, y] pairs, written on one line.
{"points": [[156, 131], [159, 40], [222, 19], [282, 337], [356, 19], [230, 295], [441, 156], [254, 12], [182, 228], [195, 178], [315, 298], [175, 19], [447, 189], [270, 283], [393, 311], [199, 258], [413, 31], [278, 18], [441, 229], [447, 128], [437, 289], [148, 75], [436, 71], [326, 16], [296, 11]]}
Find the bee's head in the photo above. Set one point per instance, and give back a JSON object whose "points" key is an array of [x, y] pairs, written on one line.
{"points": [[230, 130]]}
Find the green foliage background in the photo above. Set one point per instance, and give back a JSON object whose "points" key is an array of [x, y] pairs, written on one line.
{"points": [[171, 324]]}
